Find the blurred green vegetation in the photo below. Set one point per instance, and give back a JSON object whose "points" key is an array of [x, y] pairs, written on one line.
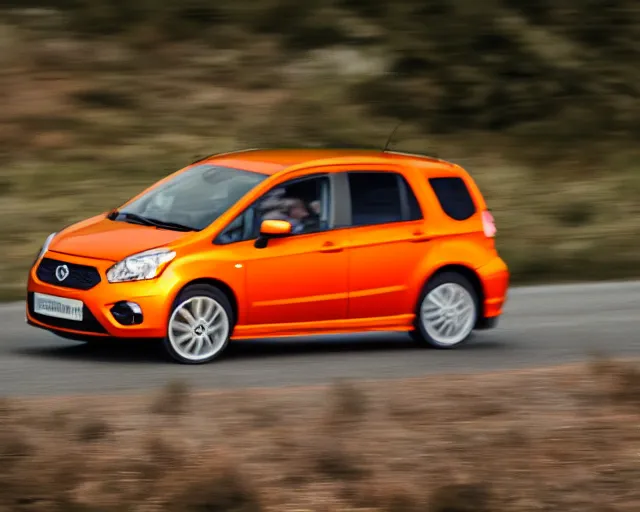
{"points": [[538, 99]]}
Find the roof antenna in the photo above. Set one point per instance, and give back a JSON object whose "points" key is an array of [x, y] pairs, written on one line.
{"points": [[391, 136]]}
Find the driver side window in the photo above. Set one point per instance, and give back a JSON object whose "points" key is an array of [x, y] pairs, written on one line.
{"points": [[303, 202]]}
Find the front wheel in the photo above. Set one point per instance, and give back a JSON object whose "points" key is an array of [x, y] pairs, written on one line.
{"points": [[199, 326], [447, 311]]}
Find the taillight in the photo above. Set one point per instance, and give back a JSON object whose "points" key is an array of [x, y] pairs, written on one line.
{"points": [[488, 224]]}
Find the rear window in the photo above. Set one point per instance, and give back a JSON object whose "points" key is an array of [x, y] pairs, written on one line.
{"points": [[454, 197]]}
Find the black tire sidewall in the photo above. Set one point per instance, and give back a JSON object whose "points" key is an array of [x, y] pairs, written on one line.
{"points": [[419, 333], [200, 290]]}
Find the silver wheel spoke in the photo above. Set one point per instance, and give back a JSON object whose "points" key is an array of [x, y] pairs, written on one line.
{"points": [[209, 311], [197, 309], [211, 342], [181, 327], [440, 322], [217, 323], [214, 316], [183, 338], [431, 316], [190, 345], [437, 300], [186, 314]]}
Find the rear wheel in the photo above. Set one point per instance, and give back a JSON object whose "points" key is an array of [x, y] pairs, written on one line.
{"points": [[200, 325], [447, 311]]}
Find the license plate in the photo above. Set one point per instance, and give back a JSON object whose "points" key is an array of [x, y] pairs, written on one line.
{"points": [[58, 307]]}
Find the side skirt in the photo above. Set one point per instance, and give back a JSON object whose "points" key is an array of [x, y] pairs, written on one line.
{"points": [[390, 323]]}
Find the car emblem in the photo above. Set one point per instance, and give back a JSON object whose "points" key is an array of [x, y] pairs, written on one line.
{"points": [[62, 272]]}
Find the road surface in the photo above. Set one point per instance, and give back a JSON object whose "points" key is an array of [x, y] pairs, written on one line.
{"points": [[543, 325]]}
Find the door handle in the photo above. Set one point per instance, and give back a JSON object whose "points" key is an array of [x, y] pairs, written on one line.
{"points": [[331, 247], [419, 236]]}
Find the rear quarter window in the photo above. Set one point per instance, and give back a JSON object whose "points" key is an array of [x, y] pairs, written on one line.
{"points": [[454, 197]]}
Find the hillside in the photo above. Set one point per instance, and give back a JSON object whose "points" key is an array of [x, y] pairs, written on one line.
{"points": [[539, 100]]}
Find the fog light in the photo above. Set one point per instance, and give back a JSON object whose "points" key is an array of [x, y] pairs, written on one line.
{"points": [[127, 313]]}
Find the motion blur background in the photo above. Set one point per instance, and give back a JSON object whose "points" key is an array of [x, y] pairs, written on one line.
{"points": [[538, 99]]}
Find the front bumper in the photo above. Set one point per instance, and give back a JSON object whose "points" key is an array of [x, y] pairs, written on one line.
{"points": [[154, 298]]}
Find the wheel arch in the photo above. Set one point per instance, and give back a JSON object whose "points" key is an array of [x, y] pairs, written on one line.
{"points": [[467, 272], [217, 283]]}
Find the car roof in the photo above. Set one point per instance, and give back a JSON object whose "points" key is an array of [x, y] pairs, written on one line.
{"points": [[272, 161]]}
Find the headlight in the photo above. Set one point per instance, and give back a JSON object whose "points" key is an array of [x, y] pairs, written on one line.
{"points": [[45, 246], [141, 266]]}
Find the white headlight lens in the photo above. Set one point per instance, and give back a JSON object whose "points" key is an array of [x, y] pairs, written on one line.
{"points": [[45, 246], [141, 266]]}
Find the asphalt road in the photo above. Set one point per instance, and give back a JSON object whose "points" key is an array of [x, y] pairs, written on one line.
{"points": [[541, 326]]}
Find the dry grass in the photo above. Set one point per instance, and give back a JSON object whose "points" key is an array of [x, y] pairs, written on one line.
{"points": [[93, 430], [102, 98], [461, 498], [620, 380], [173, 400], [562, 439]]}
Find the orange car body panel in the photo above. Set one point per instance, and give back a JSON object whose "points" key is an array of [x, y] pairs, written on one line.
{"points": [[111, 241], [343, 280]]}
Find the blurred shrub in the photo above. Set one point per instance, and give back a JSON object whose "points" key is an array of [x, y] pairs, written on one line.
{"points": [[216, 487], [334, 461], [460, 498], [346, 403], [618, 380], [93, 430], [173, 399], [101, 98]]}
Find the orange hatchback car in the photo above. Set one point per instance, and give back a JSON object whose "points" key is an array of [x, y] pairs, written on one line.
{"points": [[273, 243]]}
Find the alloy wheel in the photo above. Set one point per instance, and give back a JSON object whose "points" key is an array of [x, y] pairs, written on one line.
{"points": [[198, 328], [448, 314]]}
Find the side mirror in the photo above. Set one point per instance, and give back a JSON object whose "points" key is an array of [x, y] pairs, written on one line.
{"points": [[275, 228], [272, 229]]}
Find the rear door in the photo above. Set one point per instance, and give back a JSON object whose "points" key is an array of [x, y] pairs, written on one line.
{"points": [[386, 242]]}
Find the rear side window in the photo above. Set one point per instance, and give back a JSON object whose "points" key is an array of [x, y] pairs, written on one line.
{"points": [[381, 198], [454, 197]]}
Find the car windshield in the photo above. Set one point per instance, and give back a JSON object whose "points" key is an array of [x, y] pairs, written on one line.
{"points": [[192, 199]]}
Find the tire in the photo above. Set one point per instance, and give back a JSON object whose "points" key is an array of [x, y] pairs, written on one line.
{"points": [[430, 318], [190, 340]]}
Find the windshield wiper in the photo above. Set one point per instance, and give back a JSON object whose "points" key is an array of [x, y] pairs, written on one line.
{"points": [[137, 219], [171, 225], [146, 221]]}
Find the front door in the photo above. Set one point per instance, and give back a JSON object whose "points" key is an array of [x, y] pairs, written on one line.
{"points": [[303, 277], [298, 279]]}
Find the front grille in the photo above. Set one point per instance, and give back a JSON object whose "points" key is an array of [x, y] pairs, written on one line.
{"points": [[89, 322], [81, 277]]}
